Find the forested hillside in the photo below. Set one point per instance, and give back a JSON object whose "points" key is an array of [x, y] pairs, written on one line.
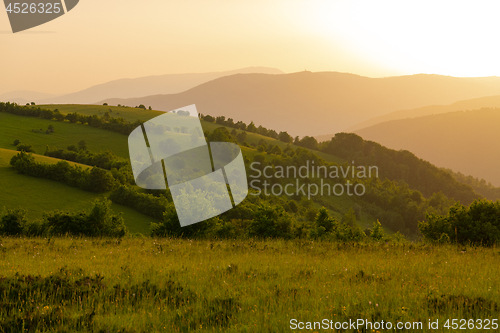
{"points": [[407, 188]]}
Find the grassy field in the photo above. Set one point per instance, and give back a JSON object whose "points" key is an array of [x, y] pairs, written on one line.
{"points": [[169, 285], [40, 195], [18, 127], [130, 114]]}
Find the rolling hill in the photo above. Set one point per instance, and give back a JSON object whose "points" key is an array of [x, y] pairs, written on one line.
{"points": [[149, 85], [397, 205], [42, 195], [308, 103], [470, 104], [464, 141], [65, 134]]}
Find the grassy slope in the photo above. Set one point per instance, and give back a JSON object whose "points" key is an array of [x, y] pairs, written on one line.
{"points": [[340, 204], [67, 134], [42, 195], [19, 127], [131, 114]]}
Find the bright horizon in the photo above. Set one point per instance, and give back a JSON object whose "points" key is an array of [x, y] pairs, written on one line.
{"points": [[102, 41]]}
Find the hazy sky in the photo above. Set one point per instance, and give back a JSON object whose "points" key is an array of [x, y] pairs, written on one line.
{"points": [[102, 40]]}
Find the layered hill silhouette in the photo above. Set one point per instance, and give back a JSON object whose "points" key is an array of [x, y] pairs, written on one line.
{"points": [[470, 104], [464, 141], [24, 96], [308, 103], [148, 85]]}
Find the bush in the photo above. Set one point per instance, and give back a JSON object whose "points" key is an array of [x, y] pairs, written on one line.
{"points": [[170, 225], [377, 232], [99, 221], [13, 222], [100, 180], [478, 224], [142, 202], [271, 222], [25, 148]]}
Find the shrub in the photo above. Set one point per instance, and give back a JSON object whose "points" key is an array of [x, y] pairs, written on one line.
{"points": [[13, 222], [170, 225], [99, 221], [478, 224], [377, 232], [271, 222], [25, 148], [142, 202]]}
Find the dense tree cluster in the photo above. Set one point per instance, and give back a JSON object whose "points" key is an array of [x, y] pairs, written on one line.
{"points": [[95, 179], [397, 206], [478, 224], [99, 221], [144, 203], [120, 168]]}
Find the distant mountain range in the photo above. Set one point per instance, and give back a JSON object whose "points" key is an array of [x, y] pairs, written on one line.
{"points": [[149, 85], [24, 96], [308, 103], [465, 141], [470, 104]]}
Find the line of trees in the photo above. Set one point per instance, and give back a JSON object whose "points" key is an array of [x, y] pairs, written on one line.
{"points": [[144, 203], [99, 221], [106, 122], [104, 160], [120, 168], [95, 179]]}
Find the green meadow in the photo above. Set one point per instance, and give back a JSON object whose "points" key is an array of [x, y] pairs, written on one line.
{"points": [[172, 285], [16, 127], [40, 195], [128, 113]]}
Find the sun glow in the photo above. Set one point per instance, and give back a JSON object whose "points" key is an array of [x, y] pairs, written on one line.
{"points": [[455, 38]]}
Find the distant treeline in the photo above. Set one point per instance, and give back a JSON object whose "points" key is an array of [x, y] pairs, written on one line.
{"points": [[482, 187], [306, 142], [106, 122]]}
